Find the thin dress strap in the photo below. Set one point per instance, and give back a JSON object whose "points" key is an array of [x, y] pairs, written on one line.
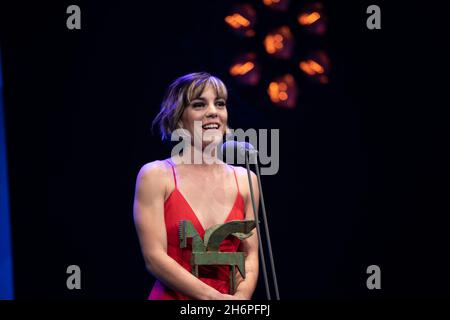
{"points": [[235, 178], [173, 171]]}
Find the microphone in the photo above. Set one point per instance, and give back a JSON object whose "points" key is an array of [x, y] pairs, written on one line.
{"points": [[242, 149], [232, 148]]}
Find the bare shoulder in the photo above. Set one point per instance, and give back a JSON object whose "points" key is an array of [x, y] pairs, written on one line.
{"points": [[154, 169], [241, 172], [242, 176], [244, 186], [154, 175]]}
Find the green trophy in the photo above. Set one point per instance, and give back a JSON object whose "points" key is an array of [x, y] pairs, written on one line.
{"points": [[206, 252]]}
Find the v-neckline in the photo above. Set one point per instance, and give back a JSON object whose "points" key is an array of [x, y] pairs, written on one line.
{"points": [[195, 215]]}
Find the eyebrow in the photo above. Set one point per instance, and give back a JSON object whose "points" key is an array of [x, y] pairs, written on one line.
{"points": [[203, 99]]}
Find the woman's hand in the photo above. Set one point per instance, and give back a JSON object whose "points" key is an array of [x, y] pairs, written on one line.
{"points": [[241, 296], [237, 296]]}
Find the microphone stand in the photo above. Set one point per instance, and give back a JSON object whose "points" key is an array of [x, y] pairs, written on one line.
{"points": [[263, 208]]}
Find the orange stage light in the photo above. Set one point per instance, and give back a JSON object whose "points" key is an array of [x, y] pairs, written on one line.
{"points": [[316, 66], [283, 91], [246, 69], [312, 18], [242, 20], [278, 5], [280, 43]]}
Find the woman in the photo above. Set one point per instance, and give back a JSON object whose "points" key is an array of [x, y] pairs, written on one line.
{"points": [[206, 192]]}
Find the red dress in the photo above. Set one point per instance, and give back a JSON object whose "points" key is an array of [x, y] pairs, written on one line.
{"points": [[176, 208]]}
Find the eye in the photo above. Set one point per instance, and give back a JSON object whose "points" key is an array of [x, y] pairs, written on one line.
{"points": [[221, 104], [198, 105]]}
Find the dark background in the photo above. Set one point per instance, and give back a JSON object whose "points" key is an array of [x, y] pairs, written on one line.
{"points": [[363, 160]]}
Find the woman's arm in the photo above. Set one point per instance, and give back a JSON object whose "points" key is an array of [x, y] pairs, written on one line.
{"points": [[246, 287], [149, 220]]}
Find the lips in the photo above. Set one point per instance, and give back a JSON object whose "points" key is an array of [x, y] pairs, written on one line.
{"points": [[211, 126]]}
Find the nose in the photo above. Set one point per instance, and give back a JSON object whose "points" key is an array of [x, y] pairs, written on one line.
{"points": [[212, 111]]}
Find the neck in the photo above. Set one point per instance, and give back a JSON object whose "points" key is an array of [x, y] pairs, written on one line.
{"points": [[204, 157]]}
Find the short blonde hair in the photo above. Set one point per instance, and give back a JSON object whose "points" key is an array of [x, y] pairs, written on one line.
{"points": [[180, 94]]}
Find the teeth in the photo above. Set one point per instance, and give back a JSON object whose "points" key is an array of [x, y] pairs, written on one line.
{"points": [[211, 126]]}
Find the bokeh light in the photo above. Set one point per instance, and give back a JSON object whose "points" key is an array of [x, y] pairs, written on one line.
{"points": [[242, 19], [316, 66], [278, 5], [283, 91], [280, 43], [245, 69], [312, 18]]}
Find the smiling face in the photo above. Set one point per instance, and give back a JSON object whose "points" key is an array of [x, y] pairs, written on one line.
{"points": [[209, 111]]}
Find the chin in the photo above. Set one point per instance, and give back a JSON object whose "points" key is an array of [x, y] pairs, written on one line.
{"points": [[215, 139]]}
